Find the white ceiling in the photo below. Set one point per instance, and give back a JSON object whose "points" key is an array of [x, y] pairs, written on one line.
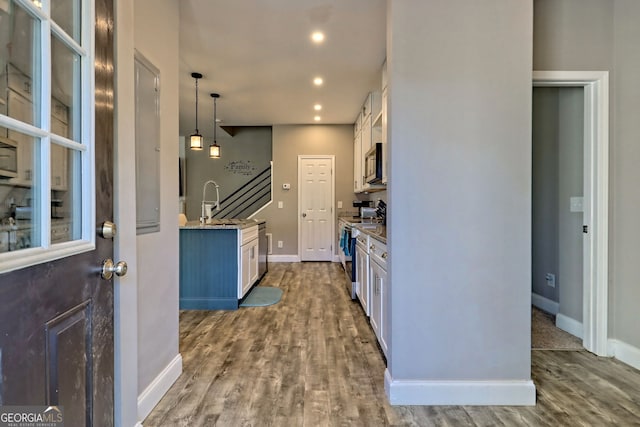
{"points": [[258, 55]]}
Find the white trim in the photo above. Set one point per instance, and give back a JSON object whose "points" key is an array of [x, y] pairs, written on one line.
{"points": [[333, 197], [570, 325], [336, 258], [596, 197], [283, 258], [150, 397], [544, 304], [427, 392], [138, 424], [625, 353]]}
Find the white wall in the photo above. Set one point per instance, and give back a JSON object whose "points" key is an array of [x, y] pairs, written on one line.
{"points": [[156, 37], [460, 201]]}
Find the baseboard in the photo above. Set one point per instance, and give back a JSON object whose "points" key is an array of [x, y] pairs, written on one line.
{"points": [[283, 258], [138, 424], [150, 397], [570, 325], [336, 258], [624, 352], [416, 392], [544, 304]]}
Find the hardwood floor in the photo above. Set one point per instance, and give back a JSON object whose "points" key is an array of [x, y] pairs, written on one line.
{"points": [[312, 360]]}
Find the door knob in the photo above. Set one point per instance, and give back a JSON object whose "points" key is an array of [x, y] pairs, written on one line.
{"points": [[108, 268], [304, 215]]}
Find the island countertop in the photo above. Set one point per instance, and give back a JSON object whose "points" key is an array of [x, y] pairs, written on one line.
{"points": [[223, 224]]}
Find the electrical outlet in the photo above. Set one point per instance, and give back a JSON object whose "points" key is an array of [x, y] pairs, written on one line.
{"points": [[551, 279], [280, 244]]}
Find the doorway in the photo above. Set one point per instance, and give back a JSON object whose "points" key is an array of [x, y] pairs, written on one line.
{"points": [[591, 90], [316, 187]]}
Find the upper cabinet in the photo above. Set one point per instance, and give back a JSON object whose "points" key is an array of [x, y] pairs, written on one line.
{"points": [[370, 128]]}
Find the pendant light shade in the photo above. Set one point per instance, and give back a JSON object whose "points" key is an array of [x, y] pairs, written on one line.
{"points": [[214, 149], [196, 140]]}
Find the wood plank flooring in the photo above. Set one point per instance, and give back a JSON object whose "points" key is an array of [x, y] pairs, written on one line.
{"points": [[312, 360]]}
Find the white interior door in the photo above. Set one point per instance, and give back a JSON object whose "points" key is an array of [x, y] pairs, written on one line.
{"points": [[315, 202]]}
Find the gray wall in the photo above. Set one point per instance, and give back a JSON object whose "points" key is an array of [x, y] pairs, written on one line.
{"points": [[558, 176], [603, 35], [156, 29], [545, 191], [243, 156], [460, 189], [570, 184], [288, 143]]}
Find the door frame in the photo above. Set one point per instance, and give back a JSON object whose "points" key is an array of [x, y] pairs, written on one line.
{"points": [[596, 198], [333, 198]]}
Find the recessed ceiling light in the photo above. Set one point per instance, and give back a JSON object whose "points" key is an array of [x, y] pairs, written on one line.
{"points": [[317, 118], [317, 107], [317, 81], [317, 37]]}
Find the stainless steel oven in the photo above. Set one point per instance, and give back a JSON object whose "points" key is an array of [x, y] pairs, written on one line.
{"points": [[8, 158]]}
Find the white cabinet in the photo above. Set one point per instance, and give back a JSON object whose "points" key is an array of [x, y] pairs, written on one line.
{"points": [[367, 131], [384, 137], [357, 163], [248, 271], [379, 300], [362, 271]]}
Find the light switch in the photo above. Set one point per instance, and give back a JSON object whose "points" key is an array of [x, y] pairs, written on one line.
{"points": [[339, 204], [280, 204], [576, 204]]}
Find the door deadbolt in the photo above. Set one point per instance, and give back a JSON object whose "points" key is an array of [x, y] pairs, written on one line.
{"points": [[108, 268], [107, 230]]}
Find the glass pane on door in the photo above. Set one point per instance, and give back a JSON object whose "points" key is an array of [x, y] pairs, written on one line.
{"points": [[20, 211], [66, 196], [65, 87], [19, 48], [66, 13]]}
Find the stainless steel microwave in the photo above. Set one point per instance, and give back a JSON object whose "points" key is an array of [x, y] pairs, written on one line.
{"points": [[373, 164], [8, 158]]}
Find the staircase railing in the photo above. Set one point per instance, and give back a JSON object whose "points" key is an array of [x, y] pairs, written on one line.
{"points": [[247, 199]]}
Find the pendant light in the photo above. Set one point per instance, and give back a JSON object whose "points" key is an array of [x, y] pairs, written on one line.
{"points": [[195, 140], [214, 149]]}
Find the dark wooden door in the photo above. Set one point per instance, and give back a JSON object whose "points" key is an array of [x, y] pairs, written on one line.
{"points": [[56, 318]]}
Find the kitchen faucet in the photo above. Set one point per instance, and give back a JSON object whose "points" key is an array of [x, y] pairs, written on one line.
{"points": [[217, 202]]}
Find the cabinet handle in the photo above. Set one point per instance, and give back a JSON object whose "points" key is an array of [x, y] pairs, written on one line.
{"points": [[384, 255], [372, 247]]}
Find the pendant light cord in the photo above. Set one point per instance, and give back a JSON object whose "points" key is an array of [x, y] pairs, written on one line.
{"points": [[197, 131]]}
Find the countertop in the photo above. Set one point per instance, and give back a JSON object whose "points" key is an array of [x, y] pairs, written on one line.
{"points": [[223, 224], [375, 230]]}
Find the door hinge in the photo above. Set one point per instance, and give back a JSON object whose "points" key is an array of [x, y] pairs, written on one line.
{"points": [[585, 229]]}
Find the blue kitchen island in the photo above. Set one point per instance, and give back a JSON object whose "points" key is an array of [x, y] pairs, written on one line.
{"points": [[218, 263]]}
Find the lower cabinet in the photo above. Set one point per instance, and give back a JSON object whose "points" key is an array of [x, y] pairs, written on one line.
{"points": [[249, 262], [363, 288], [379, 300]]}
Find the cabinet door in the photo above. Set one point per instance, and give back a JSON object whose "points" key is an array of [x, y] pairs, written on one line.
{"points": [[245, 269], [253, 262], [385, 325], [357, 163], [375, 301], [366, 137], [385, 137], [362, 277]]}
